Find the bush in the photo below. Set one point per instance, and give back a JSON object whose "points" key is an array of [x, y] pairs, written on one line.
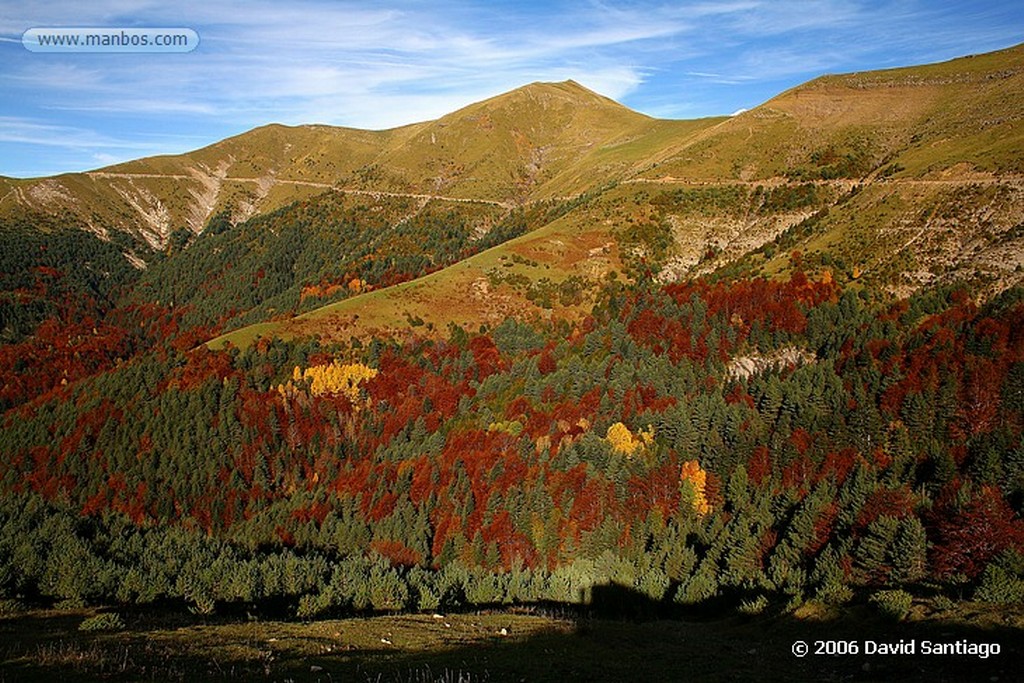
{"points": [[834, 593], [202, 605], [311, 606], [1003, 580], [702, 586], [388, 592], [108, 621], [11, 606], [754, 605], [893, 604], [69, 604]]}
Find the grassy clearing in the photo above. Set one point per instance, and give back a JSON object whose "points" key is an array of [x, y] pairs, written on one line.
{"points": [[457, 294], [516, 645]]}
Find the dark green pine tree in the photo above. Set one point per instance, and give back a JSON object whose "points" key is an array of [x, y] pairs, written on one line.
{"points": [[873, 554]]}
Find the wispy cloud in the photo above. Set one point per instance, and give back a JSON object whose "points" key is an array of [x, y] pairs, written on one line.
{"points": [[355, 67], [25, 131], [75, 148]]}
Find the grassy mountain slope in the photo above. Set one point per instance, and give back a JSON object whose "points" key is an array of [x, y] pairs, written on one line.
{"points": [[891, 179], [909, 122], [537, 141], [328, 247], [245, 175], [894, 179]]}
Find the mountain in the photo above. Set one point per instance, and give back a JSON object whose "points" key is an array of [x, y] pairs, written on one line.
{"points": [[539, 141], [530, 143], [543, 350], [913, 122], [891, 180], [243, 176]]}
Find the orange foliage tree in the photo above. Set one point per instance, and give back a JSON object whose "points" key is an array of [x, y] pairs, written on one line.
{"points": [[695, 479]]}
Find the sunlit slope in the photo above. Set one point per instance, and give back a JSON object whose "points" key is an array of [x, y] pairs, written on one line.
{"points": [[242, 176], [900, 235], [964, 114], [557, 271], [524, 278], [538, 141], [893, 235], [891, 180]]}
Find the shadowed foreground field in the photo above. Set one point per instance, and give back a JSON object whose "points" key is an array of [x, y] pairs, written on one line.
{"points": [[516, 645]]}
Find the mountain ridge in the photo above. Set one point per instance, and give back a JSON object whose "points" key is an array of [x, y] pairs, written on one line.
{"points": [[896, 179], [242, 174], [456, 156], [906, 109], [882, 171]]}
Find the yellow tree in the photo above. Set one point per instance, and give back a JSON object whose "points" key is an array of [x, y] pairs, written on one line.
{"points": [[695, 479], [621, 439], [336, 378]]}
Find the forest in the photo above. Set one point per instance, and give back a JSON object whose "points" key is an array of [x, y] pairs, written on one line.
{"points": [[542, 389], [721, 443]]}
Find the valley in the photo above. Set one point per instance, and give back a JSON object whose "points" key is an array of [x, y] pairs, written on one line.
{"points": [[543, 364]]}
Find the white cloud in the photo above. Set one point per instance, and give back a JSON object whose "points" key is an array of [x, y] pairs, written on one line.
{"points": [[27, 131], [58, 77], [373, 68], [791, 16], [71, 148], [104, 159]]}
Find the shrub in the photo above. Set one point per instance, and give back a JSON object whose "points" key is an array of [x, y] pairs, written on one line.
{"points": [[835, 593], [311, 606], [388, 592], [69, 604], [1003, 580], [10, 606], [203, 605], [893, 604], [108, 621], [700, 587], [754, 605]]}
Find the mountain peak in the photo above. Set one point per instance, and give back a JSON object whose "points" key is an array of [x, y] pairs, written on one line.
{"points": [[564, 90]]}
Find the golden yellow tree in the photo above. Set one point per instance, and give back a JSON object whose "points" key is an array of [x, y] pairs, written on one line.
{"points": [[695, 478], [621, 439], [336, 378]]}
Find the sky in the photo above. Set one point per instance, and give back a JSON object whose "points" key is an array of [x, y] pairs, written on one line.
{"points": [[384, 64]]}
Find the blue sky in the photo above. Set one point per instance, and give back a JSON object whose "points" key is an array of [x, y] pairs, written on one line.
{"points": [[378, 65]]}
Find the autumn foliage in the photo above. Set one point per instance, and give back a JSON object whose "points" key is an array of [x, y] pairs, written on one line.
{"points": [[695, 479], [888, 451]]}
